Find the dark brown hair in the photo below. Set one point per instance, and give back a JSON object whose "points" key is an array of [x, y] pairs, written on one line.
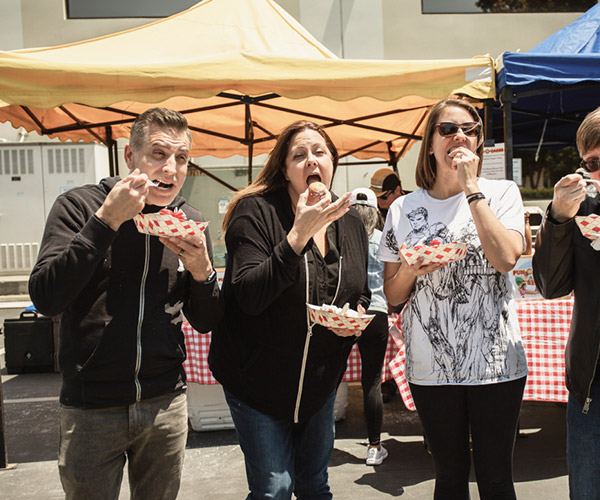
{"points": [[426, 166], [272, 176]]}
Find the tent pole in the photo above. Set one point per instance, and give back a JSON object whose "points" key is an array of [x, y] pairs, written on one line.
{"points": [[393, 161], [488, 117], [111, 154], [3, 456], [116, 156], [249, 139], [250, 147], [211, 176], [507, 100]]}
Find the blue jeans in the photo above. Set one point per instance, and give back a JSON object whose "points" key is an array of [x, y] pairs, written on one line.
{"points": [[96, 443], [281, 456], [583, 448]]}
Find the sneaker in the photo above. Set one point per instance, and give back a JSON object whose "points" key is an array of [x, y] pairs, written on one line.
{"points": [[376, 455]]}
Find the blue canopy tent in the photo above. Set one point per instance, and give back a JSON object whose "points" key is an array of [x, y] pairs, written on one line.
{"points": [[546, 92]]}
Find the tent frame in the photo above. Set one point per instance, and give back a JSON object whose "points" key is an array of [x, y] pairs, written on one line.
{"points": [[510, 96], [250, 125]]}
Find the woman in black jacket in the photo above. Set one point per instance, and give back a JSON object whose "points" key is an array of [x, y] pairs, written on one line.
{"points": [[287, 247]]}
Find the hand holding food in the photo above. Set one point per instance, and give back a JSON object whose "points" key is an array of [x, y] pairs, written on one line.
{"points": [[317, 189], [312, 216]]}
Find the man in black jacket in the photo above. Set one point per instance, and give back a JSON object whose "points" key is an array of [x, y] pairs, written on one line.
{"points": [[565, 261], [121, 295]]}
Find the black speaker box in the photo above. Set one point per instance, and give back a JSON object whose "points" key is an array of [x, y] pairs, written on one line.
{"points": [[29, 343]]}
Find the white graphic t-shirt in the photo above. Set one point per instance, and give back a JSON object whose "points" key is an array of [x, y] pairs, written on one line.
{"points": [[460, 322]]}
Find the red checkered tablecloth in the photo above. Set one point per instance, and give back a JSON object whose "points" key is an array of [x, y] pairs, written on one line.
{"points": [[355, 366], [544, 330], [198, 345]]}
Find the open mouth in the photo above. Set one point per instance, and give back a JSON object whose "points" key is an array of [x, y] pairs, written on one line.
{"points": [[165, 186], [313, 178]]}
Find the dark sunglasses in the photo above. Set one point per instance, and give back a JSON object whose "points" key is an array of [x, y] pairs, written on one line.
{"points": [[385, 196], [471, 129], [590, 165]]}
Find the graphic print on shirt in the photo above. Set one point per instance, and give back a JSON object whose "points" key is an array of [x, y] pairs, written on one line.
{"points": [[391, 242], [458, 309], [422, 232]]}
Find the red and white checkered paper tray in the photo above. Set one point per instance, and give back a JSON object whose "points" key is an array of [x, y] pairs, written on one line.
{"points": [[167, 223], [435, 253], [335, 317], [589, 225]]}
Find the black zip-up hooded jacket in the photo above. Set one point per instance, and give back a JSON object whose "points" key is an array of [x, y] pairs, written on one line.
{"points": [[565, 262], [121, 300], [261, 351]]}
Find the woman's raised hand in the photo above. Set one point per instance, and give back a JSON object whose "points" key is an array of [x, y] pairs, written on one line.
{"points": [[313, 215]]}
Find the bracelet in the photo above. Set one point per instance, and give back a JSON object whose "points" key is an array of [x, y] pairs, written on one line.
{"points": [[475, 196], [469, 196]]}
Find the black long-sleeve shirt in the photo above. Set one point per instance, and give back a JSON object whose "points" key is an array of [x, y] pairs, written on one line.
{"points": [[121, 299], [262, 351]]}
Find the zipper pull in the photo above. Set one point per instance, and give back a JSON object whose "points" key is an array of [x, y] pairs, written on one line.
{"points": [[586, 406]]}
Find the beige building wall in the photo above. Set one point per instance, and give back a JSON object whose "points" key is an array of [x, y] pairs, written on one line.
{"points": [[396, 29], [357, 29], [45, 24]]}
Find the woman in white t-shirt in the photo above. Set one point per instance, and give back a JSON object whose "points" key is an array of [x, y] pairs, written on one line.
{"points": [[464, 358]]}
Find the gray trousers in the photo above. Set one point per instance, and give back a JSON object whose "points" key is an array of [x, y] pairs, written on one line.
{"points": [[95, 445]]}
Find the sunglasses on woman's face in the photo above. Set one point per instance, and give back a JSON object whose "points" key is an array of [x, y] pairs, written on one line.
{"points": [[471, 129], [590, 165], [385, 195]]}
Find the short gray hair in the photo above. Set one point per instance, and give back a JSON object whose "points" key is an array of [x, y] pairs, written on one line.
{"points": [[162, 118]]}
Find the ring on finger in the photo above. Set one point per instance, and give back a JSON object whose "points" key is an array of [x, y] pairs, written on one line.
{"points": [[180, 252]]}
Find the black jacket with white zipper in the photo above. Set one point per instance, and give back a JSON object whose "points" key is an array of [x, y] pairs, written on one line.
{"points": [[262, 351], [565, 262], [121, 298]]}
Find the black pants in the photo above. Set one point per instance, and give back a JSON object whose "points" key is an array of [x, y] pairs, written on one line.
{"points": [[491, 414], [372, 345]]}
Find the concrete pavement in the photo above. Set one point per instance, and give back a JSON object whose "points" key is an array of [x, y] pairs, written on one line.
{"points": [[214, 468]]}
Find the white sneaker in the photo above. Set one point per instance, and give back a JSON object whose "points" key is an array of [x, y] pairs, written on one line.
{"points": [[376, 455]]}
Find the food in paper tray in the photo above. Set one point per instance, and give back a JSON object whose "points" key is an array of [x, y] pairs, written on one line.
{"points": [[589, 226], [167, 223], [336, 317], [435, 252]]}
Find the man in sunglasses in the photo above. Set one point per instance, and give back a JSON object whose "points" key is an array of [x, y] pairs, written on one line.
{"points": [[564, 261], [386, 185]]}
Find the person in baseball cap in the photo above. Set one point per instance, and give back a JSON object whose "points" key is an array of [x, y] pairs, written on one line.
{"points": [[364, 196], [386, 185]]}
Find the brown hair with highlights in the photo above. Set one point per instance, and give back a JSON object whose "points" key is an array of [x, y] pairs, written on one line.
{"points": [[272, 176], [426, 166]]}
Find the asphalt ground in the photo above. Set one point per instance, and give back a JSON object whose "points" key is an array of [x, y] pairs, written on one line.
{"points": [[214, 466]]}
